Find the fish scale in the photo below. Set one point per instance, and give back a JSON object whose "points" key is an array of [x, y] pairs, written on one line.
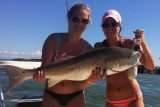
{"points": [[113, 59]]}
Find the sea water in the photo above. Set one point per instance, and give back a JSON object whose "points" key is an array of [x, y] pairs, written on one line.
{"points": [[95, 95]]}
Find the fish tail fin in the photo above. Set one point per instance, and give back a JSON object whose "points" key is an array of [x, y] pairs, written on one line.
{"points": [[16, 75]]}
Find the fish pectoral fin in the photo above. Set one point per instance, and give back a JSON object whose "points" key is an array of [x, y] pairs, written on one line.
{"points": [[132, 72], [52, 82]]}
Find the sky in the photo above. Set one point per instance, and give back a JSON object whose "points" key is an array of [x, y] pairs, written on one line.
{"points": [[25, 24]]}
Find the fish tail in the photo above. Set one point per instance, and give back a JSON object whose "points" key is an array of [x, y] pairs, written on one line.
{"points": [[16, 75]]}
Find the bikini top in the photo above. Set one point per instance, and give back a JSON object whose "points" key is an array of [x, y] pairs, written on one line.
{"points": [[105, 43], [58, 50]]}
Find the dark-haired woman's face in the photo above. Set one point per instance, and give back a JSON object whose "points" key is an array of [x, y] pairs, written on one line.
{"points": [[79, 21], [110, 27]]}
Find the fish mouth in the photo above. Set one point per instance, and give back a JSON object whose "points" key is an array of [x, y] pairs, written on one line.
{"points": [[136, 62], [137, 56]]}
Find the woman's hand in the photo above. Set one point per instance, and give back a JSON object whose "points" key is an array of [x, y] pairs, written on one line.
{"points": [[139, 38], [139, 34], [96, 75], [39, 77]]}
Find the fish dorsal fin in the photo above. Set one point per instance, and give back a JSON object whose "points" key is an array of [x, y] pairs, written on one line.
{"points": [[68, 57], [64, 59]]}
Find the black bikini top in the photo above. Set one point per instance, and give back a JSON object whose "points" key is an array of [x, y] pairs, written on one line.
{"points": [[105, 43]]}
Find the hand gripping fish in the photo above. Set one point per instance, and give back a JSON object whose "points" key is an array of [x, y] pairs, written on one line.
{"points": [[113, 59]]}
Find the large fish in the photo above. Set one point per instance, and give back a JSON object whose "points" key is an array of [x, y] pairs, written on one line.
{"points": [[78, 68]]}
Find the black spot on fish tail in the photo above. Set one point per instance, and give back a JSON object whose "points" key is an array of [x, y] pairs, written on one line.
{"points": [[15, 75]]}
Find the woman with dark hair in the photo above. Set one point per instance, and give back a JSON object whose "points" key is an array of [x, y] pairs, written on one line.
{"points": [[121, 91]]}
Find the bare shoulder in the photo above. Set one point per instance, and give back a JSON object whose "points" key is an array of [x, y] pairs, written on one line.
{"points": [[127, 43], [50, 42], [52, 38], [98, 45]]}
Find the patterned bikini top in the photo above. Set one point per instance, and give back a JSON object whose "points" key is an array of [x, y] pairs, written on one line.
{"points": [[105, 43]]}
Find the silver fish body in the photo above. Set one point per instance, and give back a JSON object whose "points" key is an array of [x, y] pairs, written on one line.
{"points": [[79, 68]]}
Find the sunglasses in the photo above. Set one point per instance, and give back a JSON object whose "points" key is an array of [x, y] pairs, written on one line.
{"points": [[108, 25], [78, 19]]}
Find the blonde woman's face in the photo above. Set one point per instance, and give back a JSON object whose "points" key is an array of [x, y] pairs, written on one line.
{"points": [[111, 28], [79, 21]]}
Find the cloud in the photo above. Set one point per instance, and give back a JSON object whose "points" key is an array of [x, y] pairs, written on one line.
{"points": [[4, 54], [7, 52], [37, 52]]}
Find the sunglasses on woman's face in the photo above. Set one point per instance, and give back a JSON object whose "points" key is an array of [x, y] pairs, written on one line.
{"points": [[108, 25], [78, 19]]}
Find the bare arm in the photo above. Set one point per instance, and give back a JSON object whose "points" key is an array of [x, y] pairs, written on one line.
{"points": [[147, 58], [47, 54], [48, 50]]}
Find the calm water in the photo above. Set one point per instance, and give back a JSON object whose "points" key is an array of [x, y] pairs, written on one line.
{"points": [[95, 95]]}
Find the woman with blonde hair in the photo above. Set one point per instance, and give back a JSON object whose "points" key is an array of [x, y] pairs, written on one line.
{"points": [[59, 46]]}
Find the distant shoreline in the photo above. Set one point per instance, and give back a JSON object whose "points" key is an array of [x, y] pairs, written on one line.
{"points": [[23, 59], [141, 69]]}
